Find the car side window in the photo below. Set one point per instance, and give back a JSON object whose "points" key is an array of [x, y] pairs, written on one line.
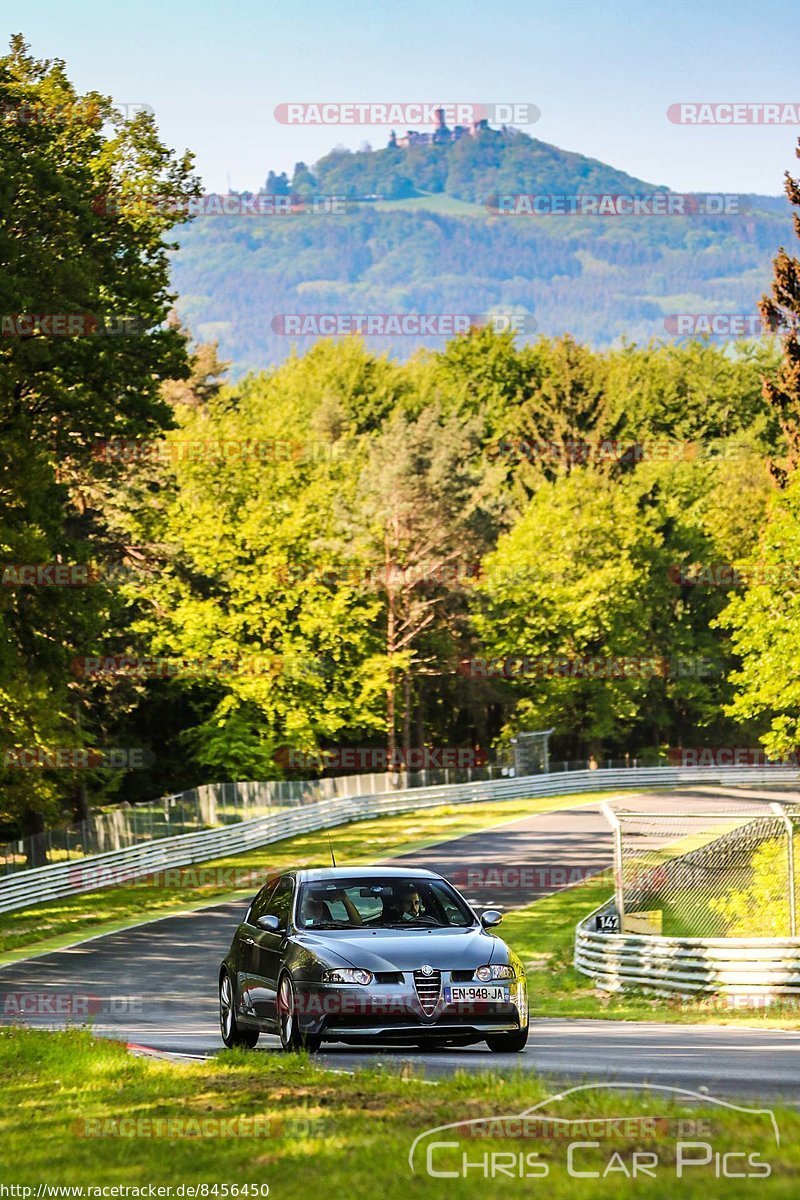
{"points": [[259, 905], [280, 902]]}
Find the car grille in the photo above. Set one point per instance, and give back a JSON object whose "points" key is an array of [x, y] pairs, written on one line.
{"points": [[428, 989]]}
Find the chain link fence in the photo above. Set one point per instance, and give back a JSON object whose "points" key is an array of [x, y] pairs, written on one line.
{"points": [[699, 875], [211, 806], [217, 804]]}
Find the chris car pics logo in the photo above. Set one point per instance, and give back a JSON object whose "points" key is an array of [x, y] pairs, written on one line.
{"points": [[693, 1137]]}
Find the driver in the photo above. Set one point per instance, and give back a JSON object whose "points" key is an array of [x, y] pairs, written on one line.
{"points": [[410, 904]]}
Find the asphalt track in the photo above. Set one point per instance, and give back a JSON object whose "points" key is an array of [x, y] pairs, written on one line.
{"points": [[154, 986]]}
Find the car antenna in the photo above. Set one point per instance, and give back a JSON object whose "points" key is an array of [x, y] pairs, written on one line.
{"points": [[330, 847]]}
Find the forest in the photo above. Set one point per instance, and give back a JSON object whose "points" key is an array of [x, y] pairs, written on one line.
{"points": [[212, 576]]}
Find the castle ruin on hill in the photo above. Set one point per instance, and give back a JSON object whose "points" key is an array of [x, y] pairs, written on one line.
{"points": [[441, 136]]}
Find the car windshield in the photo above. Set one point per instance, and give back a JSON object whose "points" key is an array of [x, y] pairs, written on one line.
{"points": [[381, 903]]}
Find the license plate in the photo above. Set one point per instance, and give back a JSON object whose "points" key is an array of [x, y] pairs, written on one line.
{"points": [[493, 993]]}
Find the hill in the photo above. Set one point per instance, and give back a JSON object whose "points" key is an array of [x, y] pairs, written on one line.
{"points": [[472, 169], [431, 244]]}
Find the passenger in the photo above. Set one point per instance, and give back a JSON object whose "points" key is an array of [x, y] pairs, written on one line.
{"points": [[315, 911]]}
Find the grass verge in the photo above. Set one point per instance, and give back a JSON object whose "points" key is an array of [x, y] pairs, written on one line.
{"points": [[79, 1112], [59, 923]]}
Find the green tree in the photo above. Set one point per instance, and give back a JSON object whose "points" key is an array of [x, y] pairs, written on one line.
{"points": [[84, 297], [258, 486], [427, 519], [765, 621], [781, 312], [590, 574]]}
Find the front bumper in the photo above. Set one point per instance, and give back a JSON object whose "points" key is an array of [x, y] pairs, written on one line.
{"points": [[394, 1012]]}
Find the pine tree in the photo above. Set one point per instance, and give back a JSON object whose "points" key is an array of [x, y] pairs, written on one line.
{"points": [[780, 312]]}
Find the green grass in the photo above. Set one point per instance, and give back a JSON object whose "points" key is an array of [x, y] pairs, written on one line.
{"points": [[436, 202], [338, 1133], [58, 923]]}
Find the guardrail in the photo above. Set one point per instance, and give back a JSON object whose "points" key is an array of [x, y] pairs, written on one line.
{"points": [[56, 880], [210, 805], [755, 967]]}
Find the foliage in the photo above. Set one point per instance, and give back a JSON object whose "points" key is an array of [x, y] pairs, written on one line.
{"points": [[67, 257], [322, 546], [764, 622], [761, 909]]}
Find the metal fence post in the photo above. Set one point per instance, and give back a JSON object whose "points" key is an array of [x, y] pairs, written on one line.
{"points": [[788, 825], [619, 892]]}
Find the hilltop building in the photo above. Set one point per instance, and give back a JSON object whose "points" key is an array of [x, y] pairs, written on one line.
{"points": [[442, 134]]}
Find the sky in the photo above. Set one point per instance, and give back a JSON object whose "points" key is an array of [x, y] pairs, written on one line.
{"points": [[602, 72]]}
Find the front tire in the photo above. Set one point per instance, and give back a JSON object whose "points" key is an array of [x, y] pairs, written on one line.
{"points": [[508, 1043], [291, 1035], [233, 1035]]}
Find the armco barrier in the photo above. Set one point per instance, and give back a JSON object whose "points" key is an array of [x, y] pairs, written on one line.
{"points": [[752, 967], [210, 805], [758, 968], [57, 880]]}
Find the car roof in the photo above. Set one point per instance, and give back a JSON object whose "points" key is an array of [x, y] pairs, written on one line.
{"points": [[318, 874]]}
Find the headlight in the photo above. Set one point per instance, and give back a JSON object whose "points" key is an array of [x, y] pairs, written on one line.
{"points": [[498, 972], [347, 975]]}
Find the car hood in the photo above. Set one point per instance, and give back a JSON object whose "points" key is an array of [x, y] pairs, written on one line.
{"points": [[401, 950]]}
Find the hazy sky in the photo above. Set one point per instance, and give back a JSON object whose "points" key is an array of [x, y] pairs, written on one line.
{"points": [[602, 74]]}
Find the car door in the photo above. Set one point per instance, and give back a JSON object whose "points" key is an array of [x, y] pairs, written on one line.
{"points": [[266, 952], [245, 946]]}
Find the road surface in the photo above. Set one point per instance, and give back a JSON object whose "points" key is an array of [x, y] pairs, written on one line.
{"points": [[155, 985]]}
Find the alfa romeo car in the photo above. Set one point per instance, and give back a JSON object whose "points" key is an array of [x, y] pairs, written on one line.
{"points": [[362, 955]]}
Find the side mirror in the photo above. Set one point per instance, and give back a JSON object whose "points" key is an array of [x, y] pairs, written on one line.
{"points": [[270, 923], [491, 918]]}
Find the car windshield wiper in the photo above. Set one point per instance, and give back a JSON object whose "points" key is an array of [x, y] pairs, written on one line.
{"points": [[329, 925], [413, 925]]}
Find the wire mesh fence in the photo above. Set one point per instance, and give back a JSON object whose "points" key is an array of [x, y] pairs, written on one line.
{"points": [[217, 804], [208, 807], [700, 874]]}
